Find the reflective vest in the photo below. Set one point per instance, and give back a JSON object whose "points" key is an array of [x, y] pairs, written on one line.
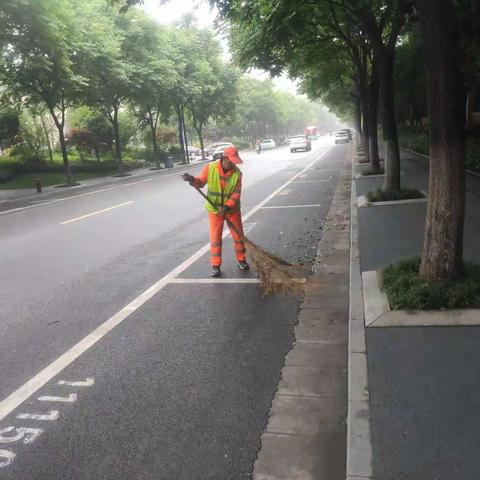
{"points": [[215, 193]]}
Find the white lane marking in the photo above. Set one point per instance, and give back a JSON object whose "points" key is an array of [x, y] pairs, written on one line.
{"points": [[88, 382], [8, 456], [311, 181], [303, 175], [52, 415], [70, 399], [285, 192], [214, 280], [103, 210], [35, 383], [101, 190], [292, 206], [28, 434]]}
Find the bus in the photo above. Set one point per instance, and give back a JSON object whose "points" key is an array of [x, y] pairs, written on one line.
{"points": [[311, 133]]}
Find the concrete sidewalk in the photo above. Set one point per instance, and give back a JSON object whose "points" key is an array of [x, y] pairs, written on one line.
{"points": [[423, 381], [305, 437]]}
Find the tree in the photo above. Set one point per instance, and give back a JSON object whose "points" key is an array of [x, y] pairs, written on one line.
{"points": [[443, 244], [317, 37], [181, 90], [269, 33], [97, 126], [113, 67], [41, 50], [215, 98], [153, 56]]}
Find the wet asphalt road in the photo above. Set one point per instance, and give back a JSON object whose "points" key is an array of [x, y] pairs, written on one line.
{"points": [[180, 388]]}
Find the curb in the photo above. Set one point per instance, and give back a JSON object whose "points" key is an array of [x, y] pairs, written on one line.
{"points": [[359, 446]]}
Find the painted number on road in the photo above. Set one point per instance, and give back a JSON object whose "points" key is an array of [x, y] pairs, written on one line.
{"points": [[28, 435], [6, 458]]}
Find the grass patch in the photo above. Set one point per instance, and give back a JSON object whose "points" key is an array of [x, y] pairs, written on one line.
{"points": [[27, 180], [380, 195], [406, 290]]}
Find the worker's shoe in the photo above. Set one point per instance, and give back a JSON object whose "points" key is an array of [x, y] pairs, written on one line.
{"points": [[216, 272], [243, 265]]}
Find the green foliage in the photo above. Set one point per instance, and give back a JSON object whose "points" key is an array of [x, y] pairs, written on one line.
{"points": [[388, 196], [406, 290], [86, 69], [410, 86]]}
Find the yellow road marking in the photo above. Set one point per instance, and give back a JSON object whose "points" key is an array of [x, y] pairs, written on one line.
{"points": [[95, 213]]}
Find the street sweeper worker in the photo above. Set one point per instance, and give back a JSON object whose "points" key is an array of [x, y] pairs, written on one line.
{"points": [[224, 182]]}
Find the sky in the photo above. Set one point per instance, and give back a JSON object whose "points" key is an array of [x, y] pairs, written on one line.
{"points": [[175, 9]]}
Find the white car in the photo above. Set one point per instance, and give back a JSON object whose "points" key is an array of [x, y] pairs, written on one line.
{"points": [[342, 137], [300, 142], [267, 144]]}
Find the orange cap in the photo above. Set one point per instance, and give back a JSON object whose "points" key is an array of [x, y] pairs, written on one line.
{"points": [[232, 154]]}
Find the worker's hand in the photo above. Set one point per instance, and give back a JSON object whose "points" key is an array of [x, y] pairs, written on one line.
{"points": [[188, 178], [223, 210]]}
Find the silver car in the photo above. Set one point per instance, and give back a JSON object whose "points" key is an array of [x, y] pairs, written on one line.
{"points": [[211, 148]]}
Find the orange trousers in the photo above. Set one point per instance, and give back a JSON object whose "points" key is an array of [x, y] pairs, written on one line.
{"points": [[216, 230]]}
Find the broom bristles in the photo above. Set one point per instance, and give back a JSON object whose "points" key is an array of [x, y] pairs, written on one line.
{"points": [[275, 275]]}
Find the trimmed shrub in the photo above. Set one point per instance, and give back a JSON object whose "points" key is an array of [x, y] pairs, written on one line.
{"points": [[389, 196]]}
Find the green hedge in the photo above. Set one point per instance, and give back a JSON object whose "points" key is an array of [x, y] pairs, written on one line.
{"points": [[12, 166]]}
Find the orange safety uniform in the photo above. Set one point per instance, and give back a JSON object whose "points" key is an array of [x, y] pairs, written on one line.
{"points": [[217, 220]]}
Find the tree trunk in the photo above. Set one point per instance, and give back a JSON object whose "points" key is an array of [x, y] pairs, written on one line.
{"points": [[365, 126], [47, 138], [389, 122], [373, 119], [198, 129], [187, 153], [442, 256], [181, 139], [153, 131], [66, 163], [358, 117], [63, 146], [118, 145]]}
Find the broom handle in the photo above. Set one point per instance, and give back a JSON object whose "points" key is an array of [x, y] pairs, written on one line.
{"points": [[230, 224]]}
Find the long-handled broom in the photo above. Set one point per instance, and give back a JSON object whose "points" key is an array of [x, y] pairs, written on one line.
{"points": [[275, 275]]}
